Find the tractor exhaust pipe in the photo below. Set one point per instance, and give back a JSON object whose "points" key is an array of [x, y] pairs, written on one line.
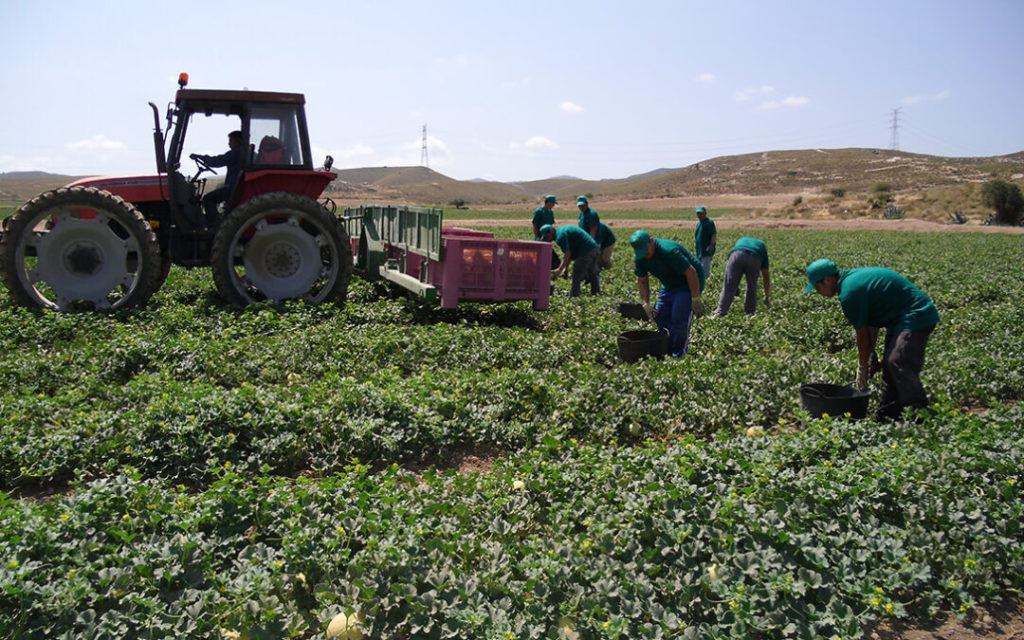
{"points": [[158, 141]]}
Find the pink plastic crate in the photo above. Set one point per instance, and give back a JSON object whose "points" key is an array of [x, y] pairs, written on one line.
{"points": [[481, 268]]}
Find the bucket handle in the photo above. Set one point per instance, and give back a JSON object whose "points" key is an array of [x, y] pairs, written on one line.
{"points": [[811, 391]]}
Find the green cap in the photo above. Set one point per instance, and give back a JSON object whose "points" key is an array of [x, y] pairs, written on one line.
{"points": [[550, 198], [700, 210], [581, 200], [639, 241], [543, 232], [818, 271]]}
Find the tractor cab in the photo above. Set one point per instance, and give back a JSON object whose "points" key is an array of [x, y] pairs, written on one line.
{"points": [[274, 157]]}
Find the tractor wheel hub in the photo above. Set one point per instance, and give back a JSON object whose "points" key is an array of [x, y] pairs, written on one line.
{"points": [[83, 259]]}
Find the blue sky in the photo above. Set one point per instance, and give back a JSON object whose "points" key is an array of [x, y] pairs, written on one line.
{"points": [[520, 90]]}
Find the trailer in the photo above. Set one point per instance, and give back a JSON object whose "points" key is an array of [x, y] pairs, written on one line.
{"points": [[410, 247]]}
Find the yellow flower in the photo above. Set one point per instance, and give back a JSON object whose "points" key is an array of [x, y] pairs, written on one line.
{"points": [[518, 485], [888, 607]]}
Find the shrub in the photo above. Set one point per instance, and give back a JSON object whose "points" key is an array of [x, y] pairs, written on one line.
{"points": [[1005, 197], [797, 201], [838, 192]]}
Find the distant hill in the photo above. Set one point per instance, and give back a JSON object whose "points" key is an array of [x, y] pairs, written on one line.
{"points": [[826, 182], [21, 186], [816, 181]]}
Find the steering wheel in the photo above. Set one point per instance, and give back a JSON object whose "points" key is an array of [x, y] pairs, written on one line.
{"points": [[202, 164]]}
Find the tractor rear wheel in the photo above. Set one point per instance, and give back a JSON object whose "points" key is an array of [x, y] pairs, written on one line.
{"points": [[279, 246], [75, 248]]}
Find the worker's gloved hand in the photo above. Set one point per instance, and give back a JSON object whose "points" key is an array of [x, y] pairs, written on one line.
{"points": [[862, 377], [874, 366], [649, 310], [698, 307], [767, 301]]}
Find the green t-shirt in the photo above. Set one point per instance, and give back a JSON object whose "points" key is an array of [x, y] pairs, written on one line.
{"points": [[754, 246], [669, 264], [588, 219], [879, 297], [575, 240], [605, 237], [702, 237], [542, 216]]}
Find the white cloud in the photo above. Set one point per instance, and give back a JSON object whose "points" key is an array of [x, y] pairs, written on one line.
{"points": [[754, 92], [942, 95], [570, 107], [705, 78], [540, 143], [790, 101], [97, 143], [534, 144]]}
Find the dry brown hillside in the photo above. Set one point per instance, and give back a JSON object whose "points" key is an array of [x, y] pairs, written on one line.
{"points": [[842, 183], [810, 183]]}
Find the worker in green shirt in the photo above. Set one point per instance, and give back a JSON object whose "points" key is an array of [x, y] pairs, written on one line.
{"points": [[588, 217], [705, 239], [748, 258], [605, 240], [682, 281], [581, 250], [544, 214], [872, 298]]}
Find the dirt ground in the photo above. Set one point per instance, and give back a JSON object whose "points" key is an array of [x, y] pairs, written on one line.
{"points": [[998, 621], [853, 224]]}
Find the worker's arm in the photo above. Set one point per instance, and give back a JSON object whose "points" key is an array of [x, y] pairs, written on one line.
{"points": [[644, 285], [766, 275], [866, 339], [693, 280], [566, 259]]}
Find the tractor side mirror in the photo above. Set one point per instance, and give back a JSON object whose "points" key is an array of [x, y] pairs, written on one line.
{"points": [[328, 163]]}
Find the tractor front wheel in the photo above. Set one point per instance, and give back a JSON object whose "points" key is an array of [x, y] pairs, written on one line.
{"points": [[77, 248], [279, 246]]}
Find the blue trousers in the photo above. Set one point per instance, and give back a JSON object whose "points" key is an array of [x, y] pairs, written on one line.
{"points": [[675, 308]]}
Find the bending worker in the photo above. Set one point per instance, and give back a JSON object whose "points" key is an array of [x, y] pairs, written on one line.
{"points": [[682, 281], [606, 240], [580, 249], [747, 258], [872, 298]]}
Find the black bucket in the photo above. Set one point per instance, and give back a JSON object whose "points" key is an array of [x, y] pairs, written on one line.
{"points": [[631, 310], [834, 399], [634, 345]]}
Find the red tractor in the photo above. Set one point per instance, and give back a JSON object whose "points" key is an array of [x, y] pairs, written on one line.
{"points": [[108, 243]]}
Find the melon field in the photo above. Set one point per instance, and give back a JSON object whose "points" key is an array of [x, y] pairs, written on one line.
{"points": [[191, 470]]}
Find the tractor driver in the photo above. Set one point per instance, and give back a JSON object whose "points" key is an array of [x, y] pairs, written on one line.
{"points": [[232, 160]]}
